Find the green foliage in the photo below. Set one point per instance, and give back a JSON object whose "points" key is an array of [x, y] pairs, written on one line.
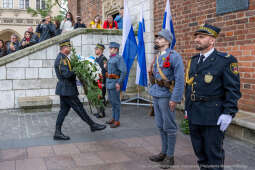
{"points": [[185, 124], [42, 12], [91, 89]]}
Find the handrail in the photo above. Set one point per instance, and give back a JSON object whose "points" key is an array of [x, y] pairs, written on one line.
{"points": [[55, 40]]}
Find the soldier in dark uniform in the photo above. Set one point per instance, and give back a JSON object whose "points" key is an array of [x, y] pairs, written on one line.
{"points": [[102, 61], [67, 90], [212, 93], [116, 71]]}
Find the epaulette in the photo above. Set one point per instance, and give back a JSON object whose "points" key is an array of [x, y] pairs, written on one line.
{"points": [[228, 55], [222, 54]]}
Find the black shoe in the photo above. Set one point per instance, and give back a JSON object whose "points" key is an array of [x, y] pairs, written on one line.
{"points": [[97, 127], [167, 163], [60, 136], [96, 115], [157, 158], [101, 115]]}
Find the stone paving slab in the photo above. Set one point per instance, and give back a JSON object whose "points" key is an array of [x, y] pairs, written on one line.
{"points": [[122, 156], [124, 148]]}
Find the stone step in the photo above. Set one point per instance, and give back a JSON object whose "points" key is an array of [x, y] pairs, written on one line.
{"points": [[243, 127], [35, 102]]}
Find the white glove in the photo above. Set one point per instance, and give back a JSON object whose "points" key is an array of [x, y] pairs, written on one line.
{"points": [[224, 121]]}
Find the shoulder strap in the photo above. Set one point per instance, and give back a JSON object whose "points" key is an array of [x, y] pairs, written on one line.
{"points": [[160, 71], [189, 81], [65, 61]]}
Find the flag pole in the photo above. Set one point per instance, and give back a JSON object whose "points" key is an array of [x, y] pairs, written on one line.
{"points": [[136, 100]]}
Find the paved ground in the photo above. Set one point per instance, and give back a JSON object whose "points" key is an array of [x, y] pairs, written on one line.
{"points": [[26, 144]]}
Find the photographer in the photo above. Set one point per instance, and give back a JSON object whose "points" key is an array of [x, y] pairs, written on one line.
{"points": [[13, 45], [26, 41], [46, 29], [68, 23], [79, 24]]}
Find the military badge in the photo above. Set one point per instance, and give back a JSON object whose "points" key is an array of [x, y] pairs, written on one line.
{"points": [[208, 78], [234, 68]]}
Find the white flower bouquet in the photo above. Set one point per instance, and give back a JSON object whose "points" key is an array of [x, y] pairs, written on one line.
{"points": [[89, 74]]}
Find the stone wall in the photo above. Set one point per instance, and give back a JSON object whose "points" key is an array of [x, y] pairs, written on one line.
{"points": [[30, 72]]}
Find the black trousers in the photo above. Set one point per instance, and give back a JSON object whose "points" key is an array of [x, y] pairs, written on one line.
{"points": [[103, 93], [207, 142], [68, 102]]}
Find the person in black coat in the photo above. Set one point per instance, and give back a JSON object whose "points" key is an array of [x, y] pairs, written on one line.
{"points": [[58, 30], [79, 23], [212, 94], [67, 90], [46, 29], [34, 36], [2, 48]]}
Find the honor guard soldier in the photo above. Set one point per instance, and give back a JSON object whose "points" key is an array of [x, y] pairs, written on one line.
{"points": [[116, 71], [167, 79], [101, 60], [212, 92], [67, 90]]}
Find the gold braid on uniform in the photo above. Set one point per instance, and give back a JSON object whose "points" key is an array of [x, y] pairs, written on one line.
{"points": [[211, 31], [189, 81]]}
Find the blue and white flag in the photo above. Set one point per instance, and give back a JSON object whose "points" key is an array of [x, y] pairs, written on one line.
{"points": [[141, 71], [168, 22], [129, 43]]}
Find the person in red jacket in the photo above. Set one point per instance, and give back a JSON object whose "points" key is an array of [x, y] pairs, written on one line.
{"points": [[110, 23]]}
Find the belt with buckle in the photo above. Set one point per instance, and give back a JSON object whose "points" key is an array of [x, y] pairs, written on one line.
{"points": [[112, 76], [196, 98]]}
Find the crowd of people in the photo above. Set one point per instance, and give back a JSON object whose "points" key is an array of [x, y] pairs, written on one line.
{"points": [[47, 29]]}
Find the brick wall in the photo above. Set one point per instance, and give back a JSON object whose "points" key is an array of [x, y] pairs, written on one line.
{"points": [[237, 36], [87, 9]]}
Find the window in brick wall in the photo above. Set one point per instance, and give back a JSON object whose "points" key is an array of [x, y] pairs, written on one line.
{"points": [[7, 3], [226, 6]]}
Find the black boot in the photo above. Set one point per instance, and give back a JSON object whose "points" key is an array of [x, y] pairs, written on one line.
{"points": [[60, 136], [97, 115], [101, 114], [167, 163], [96, 127], [157, 158]]}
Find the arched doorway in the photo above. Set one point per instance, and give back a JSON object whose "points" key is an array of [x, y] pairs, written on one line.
{"points": [[6, 34]]}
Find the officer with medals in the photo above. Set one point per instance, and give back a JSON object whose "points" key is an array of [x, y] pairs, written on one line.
{"points": [[101, 60], [212, 94], [116, 72], [167, 79], [67, 90]]}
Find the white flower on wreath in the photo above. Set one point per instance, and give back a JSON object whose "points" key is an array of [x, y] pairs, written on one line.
{"points": [[97, 77]]}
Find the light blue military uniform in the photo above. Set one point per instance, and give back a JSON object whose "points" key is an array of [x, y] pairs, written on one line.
{"points": [[164, 118], [116, 66]]}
